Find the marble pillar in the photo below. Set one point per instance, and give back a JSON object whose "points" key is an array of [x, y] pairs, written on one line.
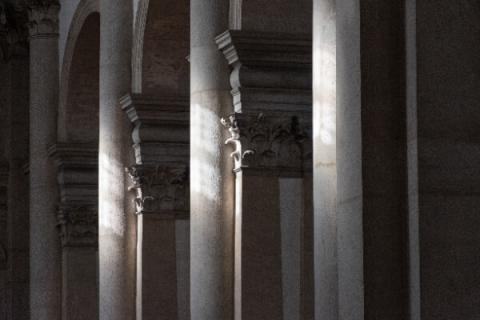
{"points": [[211, 176], [45, 267], [324, 159], [116, 228]]}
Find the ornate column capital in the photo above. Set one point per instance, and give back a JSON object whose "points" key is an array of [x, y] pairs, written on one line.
{"points": [[277, 143], [78, 225], [43, 18], [160, 190]]}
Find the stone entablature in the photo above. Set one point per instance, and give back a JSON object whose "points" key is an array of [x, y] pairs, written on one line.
{"points": [[271, 91], [160, 137], [77, 175]]}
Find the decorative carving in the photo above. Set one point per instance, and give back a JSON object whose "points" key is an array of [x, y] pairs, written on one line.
{"points": [[78, 225], [43, 18], [159, 189], [238, 155], [277, 142]]}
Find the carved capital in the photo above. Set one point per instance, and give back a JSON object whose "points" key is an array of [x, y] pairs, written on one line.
{"points": [[43, 18], [278, 143], [160, 189], [78, 225]]}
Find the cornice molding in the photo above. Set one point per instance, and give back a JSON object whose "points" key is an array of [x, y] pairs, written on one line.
{"points": [[160, 128], [270, 67], [77, 172], [160, 135]]}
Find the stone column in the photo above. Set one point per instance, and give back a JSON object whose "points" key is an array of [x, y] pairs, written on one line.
{"points": [[211, 176], [45, 268], [116, 230], [324, 159]]}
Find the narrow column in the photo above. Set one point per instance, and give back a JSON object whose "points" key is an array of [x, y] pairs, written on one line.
{"points": [[45, 269], [116, 240], [211, 177], [325, 165]]}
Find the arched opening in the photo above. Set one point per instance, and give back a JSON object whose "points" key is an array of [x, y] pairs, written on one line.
{"points": [[165, 71], [81, 116]]}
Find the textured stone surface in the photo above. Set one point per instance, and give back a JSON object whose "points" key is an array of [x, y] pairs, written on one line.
{"points": [[324, 159], [81, 121], [116, 221], [45, 260], [448, 152], [349, 173], [280, 16], [165, 46], [211, 178]]}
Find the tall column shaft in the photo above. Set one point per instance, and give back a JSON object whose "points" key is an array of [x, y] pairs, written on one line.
{"points": [[211, 177], [116, 241], [45, 267], [325, 163]]}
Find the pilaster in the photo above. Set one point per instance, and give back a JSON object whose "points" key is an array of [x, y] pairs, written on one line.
{"points": [[77, 223], [160, 136], [271, 92], [77, 179], [159, 179], [45, 254]]}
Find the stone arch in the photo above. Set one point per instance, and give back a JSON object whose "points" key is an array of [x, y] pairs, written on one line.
{"points": [[137, 49], [86, 16], [160, 47]]}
